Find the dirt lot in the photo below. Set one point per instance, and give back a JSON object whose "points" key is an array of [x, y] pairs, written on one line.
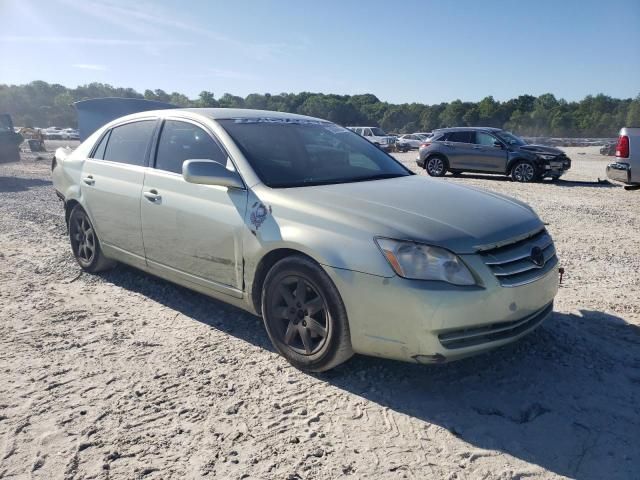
{"points": [[125, 376]]}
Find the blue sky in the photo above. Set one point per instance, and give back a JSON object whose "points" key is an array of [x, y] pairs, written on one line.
{"points": [[402, 51]]}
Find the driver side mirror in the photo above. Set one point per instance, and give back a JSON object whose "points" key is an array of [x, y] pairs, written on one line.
{"points": [[210, 172]]}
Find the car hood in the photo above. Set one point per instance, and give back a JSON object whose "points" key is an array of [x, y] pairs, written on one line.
{"points": [[542, 149], [437, 212]]}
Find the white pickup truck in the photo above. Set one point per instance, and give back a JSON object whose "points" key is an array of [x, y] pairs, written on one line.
{"points": [[376, 136], [627, 167]]}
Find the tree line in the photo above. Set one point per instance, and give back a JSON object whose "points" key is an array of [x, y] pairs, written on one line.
{"points": [[42, 104]]}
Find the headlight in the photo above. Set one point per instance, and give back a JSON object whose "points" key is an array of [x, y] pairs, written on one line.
{"points": [[423, 262], [546, 157]]}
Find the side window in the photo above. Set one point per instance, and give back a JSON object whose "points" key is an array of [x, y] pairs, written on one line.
{"points": [[484, 139], [461, 137], [99, 153], [128, 143], [180, 141], [367, 132]]}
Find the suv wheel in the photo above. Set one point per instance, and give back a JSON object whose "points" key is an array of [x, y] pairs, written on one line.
{"points": [[524, 171], [436, 166], [304, 315], [84, 243]]}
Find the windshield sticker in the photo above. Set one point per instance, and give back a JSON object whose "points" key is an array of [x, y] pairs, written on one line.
{"points": [[259, 213], [281, 121], [336, 129]]}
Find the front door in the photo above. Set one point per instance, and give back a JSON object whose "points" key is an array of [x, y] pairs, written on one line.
{"points": [[493, 158], [192, 231], [111, 184]]}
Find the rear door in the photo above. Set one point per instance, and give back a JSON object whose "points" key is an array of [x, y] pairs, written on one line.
{"points": [[111, 185], [488, 156], [192, 231], [459, 149]]}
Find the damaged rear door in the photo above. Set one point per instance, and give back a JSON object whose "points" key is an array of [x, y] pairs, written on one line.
{"points": [[192, 231]]}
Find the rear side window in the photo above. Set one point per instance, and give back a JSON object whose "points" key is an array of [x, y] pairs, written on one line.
{"points": [[180, 141], [461, 137], [129, 143], [485, 139], [102, 146]]}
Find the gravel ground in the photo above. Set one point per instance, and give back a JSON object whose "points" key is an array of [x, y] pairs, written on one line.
{"points": [[122, 375]]}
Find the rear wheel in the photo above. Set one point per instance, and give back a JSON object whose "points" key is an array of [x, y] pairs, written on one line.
{"points": [[436, 166], [85, 244], [524, 171], [304, 315]]}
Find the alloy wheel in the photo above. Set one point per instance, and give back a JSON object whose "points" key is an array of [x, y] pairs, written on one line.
{"points": [[300, 314], [435, 166], [83, 239], [524, 172]]}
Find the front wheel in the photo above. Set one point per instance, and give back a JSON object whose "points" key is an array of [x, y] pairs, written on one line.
{"points": [[304, 315], [85, 244], [524, 171], [436, 166]]}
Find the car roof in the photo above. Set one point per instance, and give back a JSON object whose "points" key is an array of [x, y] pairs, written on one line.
{"points": [[220, 114], [475, 129]]}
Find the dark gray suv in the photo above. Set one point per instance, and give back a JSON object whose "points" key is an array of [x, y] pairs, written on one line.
{"points": [[489, 150]]}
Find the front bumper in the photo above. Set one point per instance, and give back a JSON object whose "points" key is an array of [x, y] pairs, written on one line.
{"points": [[556, 168], [619, 172], [433, 322]]}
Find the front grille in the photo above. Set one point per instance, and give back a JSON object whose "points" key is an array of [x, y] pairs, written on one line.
{"points": [[513, 264], [469, 337]]}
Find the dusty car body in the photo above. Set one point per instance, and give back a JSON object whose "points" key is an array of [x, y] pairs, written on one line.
{"points": [[408, 268]]}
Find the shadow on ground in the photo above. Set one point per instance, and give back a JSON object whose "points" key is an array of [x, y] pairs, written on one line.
{"points": [[565, 398], [20, 184], [558, 183]]}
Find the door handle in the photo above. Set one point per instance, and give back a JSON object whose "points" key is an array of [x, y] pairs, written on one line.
{"points": [[477, 148], [152, 195], [89, 180]]}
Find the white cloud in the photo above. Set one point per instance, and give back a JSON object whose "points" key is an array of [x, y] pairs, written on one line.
{"points": [[90, 66]]}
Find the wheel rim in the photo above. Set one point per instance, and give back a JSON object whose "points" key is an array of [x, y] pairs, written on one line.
{"points": [[300, 317], [524, 172], [83, 239], [435, 166]]}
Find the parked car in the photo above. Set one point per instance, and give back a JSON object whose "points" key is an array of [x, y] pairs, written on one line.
{"points": [[337, 245], [70, 134], [53, 133], [375, 135], [424, 134], [490, 150], [10, 140], [627, 167], [410, 141]]}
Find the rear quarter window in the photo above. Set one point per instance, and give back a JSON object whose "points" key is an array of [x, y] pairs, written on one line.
{"points": [[461, 137]]}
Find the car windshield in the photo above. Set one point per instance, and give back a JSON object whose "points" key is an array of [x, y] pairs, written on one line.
{"points": [[509, 138], [378, 132], [296, 153]]}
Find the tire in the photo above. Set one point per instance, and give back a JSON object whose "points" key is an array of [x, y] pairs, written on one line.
{"points": [[85, 244], [436, 166], [524, 171], [313, 333]]}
